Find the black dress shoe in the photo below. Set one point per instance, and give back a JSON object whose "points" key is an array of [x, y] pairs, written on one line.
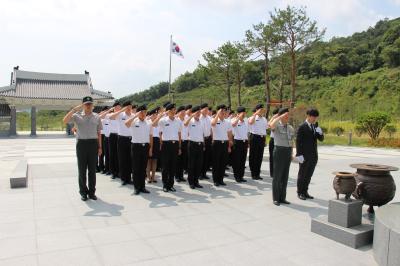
{"points": [[125, 183], [216, 184], [172, 189], [226, 175], [205, 177], [242, 180], [144, 191], [178, 180], [165, 189], [84, 198], [222, 183], [276, 203], [92, 197], [192, 187], [198, 186], [308, 196], [302, 197], [285, 202], [103, 172], [257, 178], [137, 191], [114, 177]]}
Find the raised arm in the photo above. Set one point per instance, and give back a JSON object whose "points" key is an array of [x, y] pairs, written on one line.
{"points": [[128, 122], [104, 113], [68, 116], [215, 118], [187, 121], [114, 115], [155, 122]]}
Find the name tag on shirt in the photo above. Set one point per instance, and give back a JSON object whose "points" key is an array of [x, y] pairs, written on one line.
{"points": [[193, 125], [166, 125], [218, 123]]}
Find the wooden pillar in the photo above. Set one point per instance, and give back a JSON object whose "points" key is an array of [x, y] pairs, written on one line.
{"points": [[33, 121], [13, 121]]}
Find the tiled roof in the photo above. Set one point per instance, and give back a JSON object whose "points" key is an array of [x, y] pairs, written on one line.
{"points": [[52, 86]]}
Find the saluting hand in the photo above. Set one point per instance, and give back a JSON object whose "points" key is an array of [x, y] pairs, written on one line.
{"points": [[78, 107]]}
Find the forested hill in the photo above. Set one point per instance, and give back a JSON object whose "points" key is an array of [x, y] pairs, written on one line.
{"points": [[344, 77]]}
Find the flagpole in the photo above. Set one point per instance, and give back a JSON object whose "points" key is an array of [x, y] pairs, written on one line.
{"points": [[171, 95]]}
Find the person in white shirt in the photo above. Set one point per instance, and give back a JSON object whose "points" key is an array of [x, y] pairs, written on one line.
{"points": [[195, 147], [181, 165], [240, 132], [124, 142], [207, 154], [113, 140], [170, 131], [104, 158], [221, 145], [155, 153], [258, 125], [141, 148]]}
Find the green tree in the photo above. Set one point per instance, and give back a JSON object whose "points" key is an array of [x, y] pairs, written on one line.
{"points": [[263, 41], [297, 31], [240, 66], [222, 61], [373, 123]]}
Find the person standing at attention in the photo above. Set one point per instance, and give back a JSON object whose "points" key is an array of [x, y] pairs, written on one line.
{"points": [[88, 145], [283, 137]]}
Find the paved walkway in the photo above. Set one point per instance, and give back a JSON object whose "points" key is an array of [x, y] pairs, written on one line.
{"points": [[48, 224]]}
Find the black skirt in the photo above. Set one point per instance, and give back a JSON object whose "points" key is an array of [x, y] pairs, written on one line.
{"points": [[156, 148]]}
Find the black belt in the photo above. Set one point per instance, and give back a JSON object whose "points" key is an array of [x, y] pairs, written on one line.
{"points": [[170, 141], [240, 140], [261, 136], [140, 144], [209, 137], [221, 141], [196, 142], [111, 133], [125, 137]]}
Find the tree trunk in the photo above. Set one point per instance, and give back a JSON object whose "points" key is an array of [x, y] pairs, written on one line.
{"points": [[267, 87], [239, 83], [228, 89], [281, 84], [293, 78]]}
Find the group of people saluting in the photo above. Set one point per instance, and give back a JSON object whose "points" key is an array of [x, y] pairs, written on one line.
{"points": [[127, 141]]}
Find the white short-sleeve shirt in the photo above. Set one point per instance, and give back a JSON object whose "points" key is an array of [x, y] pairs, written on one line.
{"points": [[184, 133], [221, 129], [206, 120], [113, 124], [106, 127], [141, 131], [170, 128], [196, 130], [260, 126], [123, 130], [241, 130]]}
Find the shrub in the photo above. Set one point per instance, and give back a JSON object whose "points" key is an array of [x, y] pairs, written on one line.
{"points": [[338, 130], [390, 129], [359, 130], [385, 142], [373, 123]]}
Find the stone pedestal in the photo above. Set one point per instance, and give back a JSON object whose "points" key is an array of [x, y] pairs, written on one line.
{"points": [[343, 224], [345, 214]]}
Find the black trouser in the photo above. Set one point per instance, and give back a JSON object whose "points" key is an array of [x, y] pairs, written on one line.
{"points": [[182, 163], [106, 152], [282, 160], [114, 154], [257, 143], [86, 153], [271, 145], [220, 158], [100, 165], [239, 155], [169, 155], [195, 161], [306, 170], [124, 158], [140, 155], [207, 155]]}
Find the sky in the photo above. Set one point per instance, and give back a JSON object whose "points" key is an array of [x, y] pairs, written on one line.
{"points": [[124, 44]]}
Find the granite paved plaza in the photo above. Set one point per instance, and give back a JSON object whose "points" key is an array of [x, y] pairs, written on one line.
{"points": [[48, 224]]}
